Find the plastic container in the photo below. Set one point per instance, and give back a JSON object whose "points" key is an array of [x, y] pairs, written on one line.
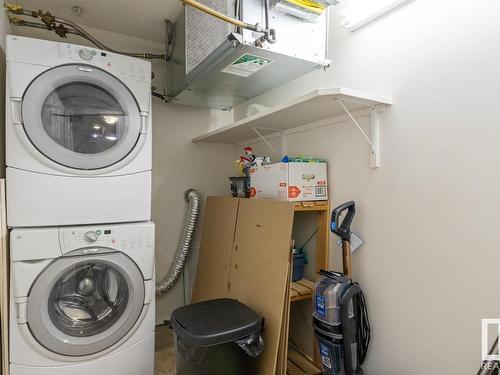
{"points": [[299, 262], [240, 187], [327, 301], [221, 336], [331, 351]]}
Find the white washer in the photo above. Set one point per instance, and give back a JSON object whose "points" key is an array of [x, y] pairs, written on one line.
{"points": [[78, 135], [82, 300]]}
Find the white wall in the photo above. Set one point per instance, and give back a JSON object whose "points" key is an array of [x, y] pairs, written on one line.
{"points": [[429, 214], [178, 164]]}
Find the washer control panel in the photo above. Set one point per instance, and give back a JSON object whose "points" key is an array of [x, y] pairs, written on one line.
{"points": [[87, 54], [120, 237], [91, 236]]}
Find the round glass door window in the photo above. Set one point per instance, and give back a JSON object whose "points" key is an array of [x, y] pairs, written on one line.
{"points": [[81, 117], [81, 306], [89, 299]]}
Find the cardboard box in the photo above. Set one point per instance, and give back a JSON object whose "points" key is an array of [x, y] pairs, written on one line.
{"points": [[293, 181]]}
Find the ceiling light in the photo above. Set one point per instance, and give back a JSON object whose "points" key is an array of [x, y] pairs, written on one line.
{"points": [[97, 127], [111, 137], [362, 12], [110, 120]]}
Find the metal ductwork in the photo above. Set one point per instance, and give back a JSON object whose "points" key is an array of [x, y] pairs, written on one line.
{"points": [[219, 64]]}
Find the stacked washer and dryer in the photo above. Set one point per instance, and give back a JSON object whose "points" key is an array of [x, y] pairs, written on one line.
{"points": [[78, 144]]}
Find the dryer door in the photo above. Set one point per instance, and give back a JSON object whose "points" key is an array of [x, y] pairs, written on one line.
{"points": [[82, 305], [81, 117]]}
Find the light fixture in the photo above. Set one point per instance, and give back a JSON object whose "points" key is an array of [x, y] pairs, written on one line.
{"points": [[362, 12], [110, 120], [111, 137], [97, 126]]}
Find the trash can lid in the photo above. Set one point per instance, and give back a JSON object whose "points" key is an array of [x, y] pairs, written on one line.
{"points": [[214, 322]]}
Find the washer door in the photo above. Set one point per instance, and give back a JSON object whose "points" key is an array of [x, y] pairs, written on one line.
{"points": [[81, 305], [81, 117]]}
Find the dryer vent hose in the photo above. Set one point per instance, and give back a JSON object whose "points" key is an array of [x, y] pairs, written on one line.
{"points": [[194, 200]]}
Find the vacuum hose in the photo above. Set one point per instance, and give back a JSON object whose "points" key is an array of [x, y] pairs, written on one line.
{"points": [[194, 200]]}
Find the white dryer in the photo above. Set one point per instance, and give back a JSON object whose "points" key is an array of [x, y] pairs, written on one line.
{"points": [[82, 300], [78, 135]]}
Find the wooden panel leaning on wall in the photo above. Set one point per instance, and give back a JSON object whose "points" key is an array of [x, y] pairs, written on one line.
{"points": [[245, 255]]}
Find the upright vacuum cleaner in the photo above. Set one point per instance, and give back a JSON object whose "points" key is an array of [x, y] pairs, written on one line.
{"points": [[340, 317]]}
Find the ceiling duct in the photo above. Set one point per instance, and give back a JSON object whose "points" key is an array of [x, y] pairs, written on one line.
{"points": [[216, 64]]}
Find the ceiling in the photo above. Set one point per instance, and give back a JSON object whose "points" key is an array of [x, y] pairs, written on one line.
{"points": [[140, 18]]}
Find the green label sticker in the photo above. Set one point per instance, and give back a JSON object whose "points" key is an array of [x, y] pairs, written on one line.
{"points": [[246, 65]]}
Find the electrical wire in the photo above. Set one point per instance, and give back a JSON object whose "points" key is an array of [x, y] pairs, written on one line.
{"points": [[310, 238]]}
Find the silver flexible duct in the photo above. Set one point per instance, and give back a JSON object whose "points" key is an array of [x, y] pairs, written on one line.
{"points": [[194, 201]]}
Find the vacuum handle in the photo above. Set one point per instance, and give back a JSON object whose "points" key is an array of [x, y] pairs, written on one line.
{"points": [[343, 230], [330, 274], [334, 275]]}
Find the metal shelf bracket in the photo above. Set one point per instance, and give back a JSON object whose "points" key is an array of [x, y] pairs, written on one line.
{"points": [[373, 140], [276, 153]]}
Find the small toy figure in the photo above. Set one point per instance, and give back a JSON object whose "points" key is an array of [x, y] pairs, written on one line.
{"points": [[249, 160], [249, 154]]}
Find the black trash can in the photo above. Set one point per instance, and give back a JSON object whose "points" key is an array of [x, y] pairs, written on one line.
{"points": [[221, 336]]}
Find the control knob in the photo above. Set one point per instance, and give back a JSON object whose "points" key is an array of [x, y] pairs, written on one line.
{"points": [[90, 236], [86, 54]]}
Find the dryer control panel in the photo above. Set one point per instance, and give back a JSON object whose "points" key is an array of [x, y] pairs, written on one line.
{"points": [[47, 53], [119, 237], [126, 68]]}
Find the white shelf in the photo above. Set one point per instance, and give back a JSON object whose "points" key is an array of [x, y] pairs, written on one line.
{"points": [[315, 106]]}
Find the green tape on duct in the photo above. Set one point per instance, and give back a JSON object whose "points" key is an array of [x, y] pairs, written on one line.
{"points": [[246, 65]]}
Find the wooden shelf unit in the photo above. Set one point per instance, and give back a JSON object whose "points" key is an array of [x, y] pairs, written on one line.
{"points": [[322, 208], [303, 289], [299, 364]]}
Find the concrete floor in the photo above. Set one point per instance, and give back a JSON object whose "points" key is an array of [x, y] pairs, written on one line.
{"points": [[164, 351]]}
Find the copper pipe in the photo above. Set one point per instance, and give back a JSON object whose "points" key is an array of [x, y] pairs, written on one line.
{"points": [[222, 16]]}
